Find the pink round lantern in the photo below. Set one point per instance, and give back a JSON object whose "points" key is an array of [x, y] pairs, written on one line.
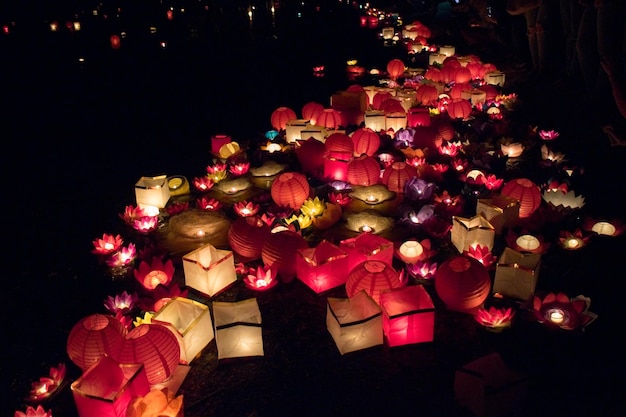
{"points": [[396, 175], [526, 192], [153, 345], [426, 95], [339, 143], [418, 116], [93, 337], [395, 68], [281, 116], [462, 75], [379, 98], [310, 111], [329, 118], [290, 189], [247, 235], [310, 154], [373, 277], [366, 141], [452, 62], [462, 283], [363, 170], [459, 109], [280, 251]]}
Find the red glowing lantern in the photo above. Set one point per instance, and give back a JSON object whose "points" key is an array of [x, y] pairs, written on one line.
{"points": [[457, 90], [367, 247], [323, 267], [392, 105], [462, 283], [217, 141], [170, 14], [339, 143], [459, 109], [396, 175], [365, 141], [490, 91], [279, 251], [426, 95], [290, 189], [408, 315], [373, 277], [526, 192], [247, 235], [477, 70], [462, 75], [379, 98], [310, 111], [310, 154], [363, 170], [329, 118], [445, 130], [336, 166], [395, 68], [433, 74], [116, 41], [281, 116], [418, 116], [153, 345], [93, 337]]}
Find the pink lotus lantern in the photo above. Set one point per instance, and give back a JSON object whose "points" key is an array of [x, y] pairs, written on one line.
{"points": [[208, 204], [93, 337], [31, 411], [281, 116], [526, 192], [396, 175], [246, 208], [261, 279], [107, 387], [482, 254], [155, 273], [132, 213], [47, 385], [373, 277], [323, 267], [557, 310], [146, 224], [366, 141], [247, 235], [422, 270], [575, 240], [367, 247], [239, 168], [280, 250], [107, 244], [408, 315], [462, 283], [290, 189], [495, 319]]}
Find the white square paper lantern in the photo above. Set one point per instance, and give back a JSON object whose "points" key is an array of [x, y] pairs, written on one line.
{"points": [[354, 323], [517, 274], [152, 191], [470, 232], [395, 121], [238, 331], [315, 132], [209, 270], [192, 321], [375, 120], [501, 211], [294, 128]]}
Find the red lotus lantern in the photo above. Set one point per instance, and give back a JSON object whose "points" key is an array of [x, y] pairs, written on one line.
{"points": [[426, 95], [459, 109], [247, 235], [379, 98], [462, 283], [310, 111], [339, 143], [418, 116], [280, 251], [290, 189], [366, 141], [373, 277], [364, 170], [281, 116], [526, 192], [329, 118], [93, 337], [395, 68], [396, 175], [116, 42]]}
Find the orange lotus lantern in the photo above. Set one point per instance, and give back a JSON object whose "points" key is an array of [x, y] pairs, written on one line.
{"points": [[290, 189], [281, 116], [408, 315], [462, 283], [93, 337]]}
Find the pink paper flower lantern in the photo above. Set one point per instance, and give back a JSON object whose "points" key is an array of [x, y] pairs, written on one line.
{"points": [[526, 192], [150, 275], [290, 189], [462, 283], [373, 277], [93, 337]]}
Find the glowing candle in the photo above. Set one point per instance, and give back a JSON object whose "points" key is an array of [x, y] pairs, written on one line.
{"points": [[371, 199], [410, 251], [572, 243], [528, 242], [557, 316], [366, 229]]}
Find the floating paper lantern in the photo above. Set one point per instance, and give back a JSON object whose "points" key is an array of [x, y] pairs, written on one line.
{"points": [[395, 121], [366, 247], [154, 346], [501, 211], [281, 116], [373, 277], [191, 320], [217, 141], [280, 250], [410, 251], [396, 175], [526, 192], [116, 41], [512, 149], [408, 315], [107, 387], [329, 118], [468, 232], [247, 235], [366, 141], [363, 170], [290, 189], [294, 128], [93, 337], [152, 191], [310, 111], [447, 50], [517, 274], [459, 109], [462, 283], [426, 94], [323, 267], [238, 331], [209, 270], [375, 120], [354, 323]]}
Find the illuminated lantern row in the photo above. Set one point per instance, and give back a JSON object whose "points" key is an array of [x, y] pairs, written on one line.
{"points": [[462, 283], [323, 267], [238, 328]]}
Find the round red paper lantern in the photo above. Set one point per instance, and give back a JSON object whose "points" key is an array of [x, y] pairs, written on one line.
{"points": [[93, 337], [310, 154], [490, 90], [363, 170], [116, 42], [290, 189], [462, 283], [373, 277], [339, 143], [280, 251], [526, 192], [329, 118], [447, 73], [418, 116], [281, 116], [452, 61], [477, 70], [457, 90], [365, 141], [395, 68], [379, 98], [355, 88], [153, 345], [426, 95], [396, 175], [247, 235], [459, 109], [445, 130], [433, 74], [392, 105], [310, 111]]}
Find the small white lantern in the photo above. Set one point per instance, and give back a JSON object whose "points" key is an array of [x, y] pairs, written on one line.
{"points": [[152, 191], [192, 322], [395, 121], [209, 270], [436, 59], [470, 232], [447, 50], [501, 211], [495, 78], [375, 120], [238, 331], [354, 323], [294, 128], [315, 132], [517, 274]]}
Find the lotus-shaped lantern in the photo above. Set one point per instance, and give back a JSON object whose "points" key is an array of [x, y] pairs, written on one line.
{"points": [[246, 208], [217, 172], [482, 254], [239, 168], [124, 256], [146, 224], [341, 199], [121, 303], [203, 184], [604, 227], [548, 135], [208, 204], [559, 311], [495, 319], [261, 279], [132, 213], [573, 240], [177, 207], [47, 385], [563, 201], [107, 244], [313, 207], [34, 412], [417, 189], [492, 183], [155, 273], [524, 241], [422, 270]]}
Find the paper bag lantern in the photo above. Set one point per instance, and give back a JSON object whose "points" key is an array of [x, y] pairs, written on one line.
{"points": [[93, 337], [354, 323], [152, 191], [517, 274], [290, 189], [462, 283], [247, 235], [373, 277], [191, 320], [471, 232], [367, 247], [408, 315], [322, 267], [526, 192], [209, 270], [107, 387], [501, 211], [489, 388], [238, 331], [294, 128], [280, 250]]}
